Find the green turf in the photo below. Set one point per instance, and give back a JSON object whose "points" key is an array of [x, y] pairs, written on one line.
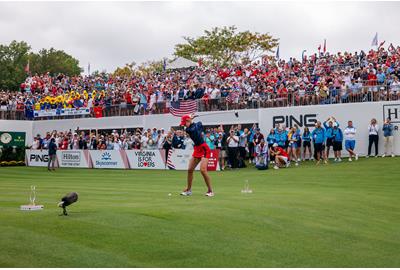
{"points": [[338, 215]]}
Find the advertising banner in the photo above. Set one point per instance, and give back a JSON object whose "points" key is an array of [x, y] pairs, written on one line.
{"points": [[37, 158], [146, 159], [8, 138], [178, 159], [109, 159], [73, 158], [61, 112]]}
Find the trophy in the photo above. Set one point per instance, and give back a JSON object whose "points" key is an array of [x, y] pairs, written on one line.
{"points": [[32, 198], [246, 187]]}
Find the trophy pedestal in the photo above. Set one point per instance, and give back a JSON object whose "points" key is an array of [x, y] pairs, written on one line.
{"points": [[31, 207]]}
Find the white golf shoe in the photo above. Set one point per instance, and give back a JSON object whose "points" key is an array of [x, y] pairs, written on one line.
{"points": [[209, 194], [186, 193]]}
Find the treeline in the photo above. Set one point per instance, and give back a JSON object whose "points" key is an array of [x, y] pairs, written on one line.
{"points": [[17, 60]]}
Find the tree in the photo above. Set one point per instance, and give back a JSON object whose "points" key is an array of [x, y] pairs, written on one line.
{"points": [[54, 61], [13, 60], [226, 46]]}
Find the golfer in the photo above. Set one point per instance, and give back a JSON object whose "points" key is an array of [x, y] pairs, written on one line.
{"points": [[201, 154]]}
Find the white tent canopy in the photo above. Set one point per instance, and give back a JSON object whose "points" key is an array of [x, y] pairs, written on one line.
{"points": [[180, 63]]}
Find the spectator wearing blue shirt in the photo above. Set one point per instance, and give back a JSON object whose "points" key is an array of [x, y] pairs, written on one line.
{"points": [[293, 136], [318, 135], [329, 133], [306, 138], [388, 137], [337, 143], [271, 139], [250, 142], [298, 142], [281, 138]]}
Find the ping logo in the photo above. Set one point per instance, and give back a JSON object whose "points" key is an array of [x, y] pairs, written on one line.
{"points": [[106, 156], [304, 120]]}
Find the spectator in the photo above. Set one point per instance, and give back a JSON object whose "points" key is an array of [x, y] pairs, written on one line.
{"points": [[262, 156], [329, 133], [293, 137], [337, 137], [306, 138], [233, 143], [350, 140], [388, 137], [318, 136], [373, 131]]}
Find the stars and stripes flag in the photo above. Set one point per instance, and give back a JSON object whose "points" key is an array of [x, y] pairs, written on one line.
{"points": [[324, 45], [233, 95], [180, 108]]}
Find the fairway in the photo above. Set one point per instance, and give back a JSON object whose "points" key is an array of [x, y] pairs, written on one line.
{"points": [[336, 215]]}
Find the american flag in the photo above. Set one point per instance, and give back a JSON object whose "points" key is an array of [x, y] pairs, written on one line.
{"points": [[232, 96], [180, 108]]}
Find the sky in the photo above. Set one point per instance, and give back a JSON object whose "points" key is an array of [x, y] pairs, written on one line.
{"points": [[111, 34]]}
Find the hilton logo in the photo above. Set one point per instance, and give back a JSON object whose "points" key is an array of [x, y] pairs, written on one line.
{"points": [[392, 112]]}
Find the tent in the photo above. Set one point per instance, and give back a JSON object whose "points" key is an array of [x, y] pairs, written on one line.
{"points": [[180, 63]]}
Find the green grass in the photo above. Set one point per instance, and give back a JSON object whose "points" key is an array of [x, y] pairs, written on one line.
{"points": [[338, 215]]}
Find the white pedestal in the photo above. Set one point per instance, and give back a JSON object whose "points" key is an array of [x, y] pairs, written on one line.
{"points": [[31, 207]]}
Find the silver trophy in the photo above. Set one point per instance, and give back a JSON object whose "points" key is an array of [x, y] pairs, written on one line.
{"points": [[32, 198], [247, 187]]}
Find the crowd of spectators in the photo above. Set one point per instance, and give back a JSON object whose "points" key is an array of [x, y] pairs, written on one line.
{"points": [[316, 79], [239, 145]]}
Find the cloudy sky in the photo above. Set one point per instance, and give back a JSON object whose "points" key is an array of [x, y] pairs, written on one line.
{"points": [[110, 34]]}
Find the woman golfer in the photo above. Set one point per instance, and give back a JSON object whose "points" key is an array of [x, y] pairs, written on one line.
{"points": [[201, 154]]}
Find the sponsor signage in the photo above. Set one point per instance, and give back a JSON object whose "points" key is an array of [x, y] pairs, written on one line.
{"points": [[73, 158], [37, 158], [146, 159], [61, 112], [179, 160], [16, 139], [107, 159], [392, 111]]}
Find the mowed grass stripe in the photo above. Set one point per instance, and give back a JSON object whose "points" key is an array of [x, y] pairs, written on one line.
{"points": [[336, 215]]}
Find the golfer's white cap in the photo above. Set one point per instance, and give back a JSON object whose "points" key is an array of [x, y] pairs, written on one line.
{"points": [[275, 145]]}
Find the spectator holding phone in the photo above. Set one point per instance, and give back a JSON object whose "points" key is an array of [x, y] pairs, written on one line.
{"points": [[373, 136], [233, 143]]}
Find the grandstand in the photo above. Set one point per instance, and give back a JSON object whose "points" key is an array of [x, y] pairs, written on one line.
{"points": [[318, 79]]}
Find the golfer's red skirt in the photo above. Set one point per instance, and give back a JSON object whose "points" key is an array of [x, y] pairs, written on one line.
{"points": [[202, 150]]}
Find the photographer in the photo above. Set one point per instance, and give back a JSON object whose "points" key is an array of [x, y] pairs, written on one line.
{"points": [[373, 137], [233, 143]]}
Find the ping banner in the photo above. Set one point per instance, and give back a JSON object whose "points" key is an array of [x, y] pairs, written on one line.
{"points": [[37, 158], [61, 112]]}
